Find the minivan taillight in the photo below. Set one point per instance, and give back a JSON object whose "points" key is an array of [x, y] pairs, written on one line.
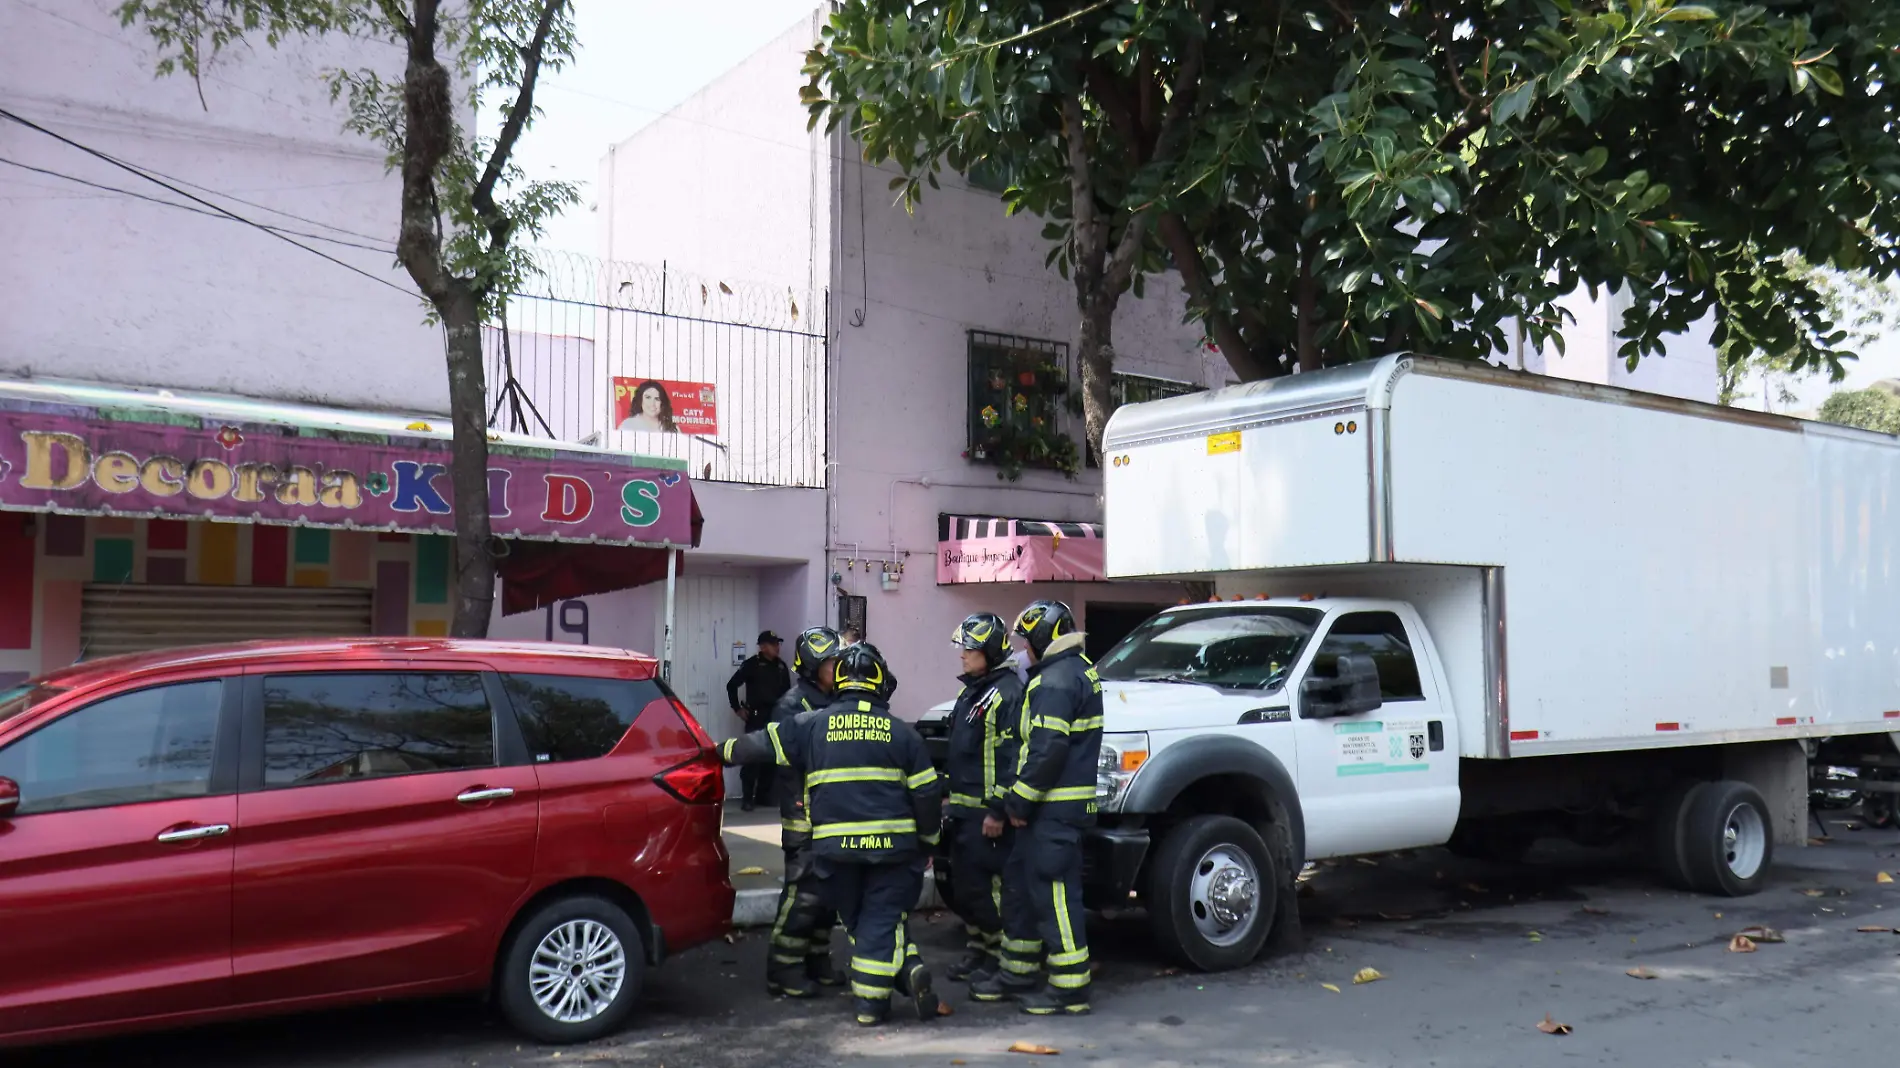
{"points": [[699, 781]]}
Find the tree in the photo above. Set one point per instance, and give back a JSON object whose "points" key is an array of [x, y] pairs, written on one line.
{"points": [[1338, 179], [1858, 303], [1868, 409], [465, 202]]}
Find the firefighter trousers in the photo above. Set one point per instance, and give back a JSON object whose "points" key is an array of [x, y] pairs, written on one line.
{"points": [[976, 883], [801, 930], [874, 902], [1044, 878]]}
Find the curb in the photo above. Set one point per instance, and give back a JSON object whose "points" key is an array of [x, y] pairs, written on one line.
{"points": [[757, 908]]}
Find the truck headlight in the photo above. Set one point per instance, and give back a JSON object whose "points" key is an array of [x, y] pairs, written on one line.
{"points": [[1122, 756]]}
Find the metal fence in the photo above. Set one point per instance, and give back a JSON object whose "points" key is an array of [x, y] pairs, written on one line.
{"points": [[742, 367]]}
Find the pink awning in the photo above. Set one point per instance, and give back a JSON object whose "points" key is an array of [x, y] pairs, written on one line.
{"points": [[994, 549]]}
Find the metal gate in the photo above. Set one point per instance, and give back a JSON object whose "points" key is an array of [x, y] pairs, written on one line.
{"points": [[133, 619]]}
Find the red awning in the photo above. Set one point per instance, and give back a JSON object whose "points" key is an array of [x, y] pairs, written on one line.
{"points": [[535, 574], [996, 549]]}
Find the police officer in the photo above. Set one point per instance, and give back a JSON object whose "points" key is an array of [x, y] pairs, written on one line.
{"points": [[1053, 799], [981, 766], [765, 679], [800, 959], [875, 807]]}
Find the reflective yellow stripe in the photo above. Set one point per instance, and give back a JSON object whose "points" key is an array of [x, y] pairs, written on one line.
{"points": [[839, 830], [869, 992], [796, 826], [873, 967], [996, 893], [1066, 726], [819, 778], [1064, 960], [1070, 793], [966, 800], [725, 750], [1062, 918], [1019, 967], [1017, 945], [922, 779], [771, 729], [928, 839], [1069, 982], [1026, 791]]}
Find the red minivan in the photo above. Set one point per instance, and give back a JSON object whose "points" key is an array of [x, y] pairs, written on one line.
{"points": [[206, 833]]}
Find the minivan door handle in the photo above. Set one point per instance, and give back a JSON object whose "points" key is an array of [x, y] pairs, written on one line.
{"points": [[484, 793], [193, 834]]}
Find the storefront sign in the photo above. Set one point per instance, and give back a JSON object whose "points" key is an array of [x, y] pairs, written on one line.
{"points": [[657, 406], [1010, 554], [286, 475]]}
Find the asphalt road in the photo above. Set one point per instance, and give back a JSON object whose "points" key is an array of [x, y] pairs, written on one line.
{"points": [[1473, 957]]}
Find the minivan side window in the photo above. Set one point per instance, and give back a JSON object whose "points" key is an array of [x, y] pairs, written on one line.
{"points": [[567, 717], [340, 727], [1381, 636], [153, 744]]}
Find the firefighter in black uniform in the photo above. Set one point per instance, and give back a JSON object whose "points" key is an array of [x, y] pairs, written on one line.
{"points": [[765, 679], [981, 766], [1053, 799], [875, 806], [800, 960]]}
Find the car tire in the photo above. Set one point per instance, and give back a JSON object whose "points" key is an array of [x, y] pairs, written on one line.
{"points": [[1728, 839], [550, 1008], [1667, 817], [1205, 871]]}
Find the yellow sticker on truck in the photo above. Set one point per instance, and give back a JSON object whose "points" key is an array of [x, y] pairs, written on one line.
{"points": [[1219, 443]]}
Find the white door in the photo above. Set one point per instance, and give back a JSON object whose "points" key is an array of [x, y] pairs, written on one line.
{"points": [[716, 618], [1385, 779]]}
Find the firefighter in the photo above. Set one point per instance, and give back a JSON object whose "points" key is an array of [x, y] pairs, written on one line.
{"points": [[800, 960], [980, 767], [875, 806], [1051, 801]]}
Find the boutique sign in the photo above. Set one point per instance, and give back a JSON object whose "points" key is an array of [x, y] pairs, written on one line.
{"points": [[307, 477]]}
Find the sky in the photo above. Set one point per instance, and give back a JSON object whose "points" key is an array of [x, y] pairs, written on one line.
{"points": [[640, 58], [637, 60]]}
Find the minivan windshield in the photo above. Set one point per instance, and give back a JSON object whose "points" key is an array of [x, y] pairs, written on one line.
{"points": [[15, 700], [1243, 647]]}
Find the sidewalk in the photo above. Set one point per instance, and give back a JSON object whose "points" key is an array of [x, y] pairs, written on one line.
{"points": [[752, 839]]}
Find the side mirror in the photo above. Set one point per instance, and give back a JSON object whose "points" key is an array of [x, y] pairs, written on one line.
{"points": [[1352, 690], [9, 798]]}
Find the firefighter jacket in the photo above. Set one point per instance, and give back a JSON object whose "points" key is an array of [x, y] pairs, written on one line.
{"points": [[870, 791], [790, 782], [1061, 727], [983, 750]]}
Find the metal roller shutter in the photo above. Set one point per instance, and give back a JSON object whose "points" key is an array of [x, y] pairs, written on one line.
{"points": [[132, 619]]}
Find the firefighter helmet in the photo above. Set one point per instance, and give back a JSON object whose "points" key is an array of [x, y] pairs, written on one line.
{"points": [[810, 650], [1042, 623], [983, 632], [861, 668]]}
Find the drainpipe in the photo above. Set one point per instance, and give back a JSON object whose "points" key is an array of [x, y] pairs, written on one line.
{"points": [[666, 642]]}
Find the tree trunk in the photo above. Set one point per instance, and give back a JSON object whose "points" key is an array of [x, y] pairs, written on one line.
{"points": [[1309, 290], [468, 472], [1094, 351]]}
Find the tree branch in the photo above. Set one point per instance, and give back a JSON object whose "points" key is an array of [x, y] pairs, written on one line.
{"points": [[483, 197], [1187, 260], [428, 133]]}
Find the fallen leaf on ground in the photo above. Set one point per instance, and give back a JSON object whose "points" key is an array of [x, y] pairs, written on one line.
{"points": [[1741, 944], [1168, 971], [733, 937], [1552, 1027], [1882, 877], [1032, 1048], [1877, 930], [1815, 893], [1640, 973], [1330, 987], [1475, 888], [1367, 861], [1718, 915], [1366, 975], [1820, 840], [1592, 910], [944, 1009], [750, 871], [1765, 935]]}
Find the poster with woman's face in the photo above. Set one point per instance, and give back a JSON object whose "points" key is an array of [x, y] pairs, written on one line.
{"points": [[661, 406]]}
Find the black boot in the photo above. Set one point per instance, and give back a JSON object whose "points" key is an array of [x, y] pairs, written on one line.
{"points": [[819, 969], [922, 996], [1052, 1002], [871, 1013], [789, 981], [974, 961], [1000, 986]]}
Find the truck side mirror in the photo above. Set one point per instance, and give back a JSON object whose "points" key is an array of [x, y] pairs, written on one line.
{"points": [[1351, 690], [9, 798]]}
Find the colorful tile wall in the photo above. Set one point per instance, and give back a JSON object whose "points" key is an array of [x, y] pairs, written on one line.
{"points": [[270, 555], [17, 579], [217, 556]]}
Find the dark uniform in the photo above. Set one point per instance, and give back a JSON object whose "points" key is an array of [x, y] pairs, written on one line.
{"points": [[981, 767], [875, 805], [1054, 796], [764, 680], [801, 929]]}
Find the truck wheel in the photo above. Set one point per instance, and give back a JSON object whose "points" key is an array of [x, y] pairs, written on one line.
{"points": [[1728, 839], [1666, 840], [572, 971], [1212, 893]]}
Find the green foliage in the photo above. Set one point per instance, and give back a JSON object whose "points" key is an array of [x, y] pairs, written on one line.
{"points": [[1360, 176], [1868, 409], [486, 44], [1857, 303]]}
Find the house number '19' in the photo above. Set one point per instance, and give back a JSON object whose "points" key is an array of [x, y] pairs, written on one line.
{"points": [[572, 618]]}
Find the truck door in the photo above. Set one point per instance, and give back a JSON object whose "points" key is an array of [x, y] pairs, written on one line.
{"points": [[1385, 779]]}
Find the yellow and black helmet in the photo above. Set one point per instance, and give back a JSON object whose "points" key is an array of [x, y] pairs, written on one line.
{"points": [[983, 632], [812, 647], [861, 668], [1043, 622]]}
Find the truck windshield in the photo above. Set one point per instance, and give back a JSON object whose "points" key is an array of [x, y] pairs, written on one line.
{"points": [[1249, 647]]}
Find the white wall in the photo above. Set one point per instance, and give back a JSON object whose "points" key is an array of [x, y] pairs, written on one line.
{"points": [[1687, 369], [104, 286]]}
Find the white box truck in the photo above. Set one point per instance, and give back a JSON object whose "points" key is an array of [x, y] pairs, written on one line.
{"points": [[1458, 604]]}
